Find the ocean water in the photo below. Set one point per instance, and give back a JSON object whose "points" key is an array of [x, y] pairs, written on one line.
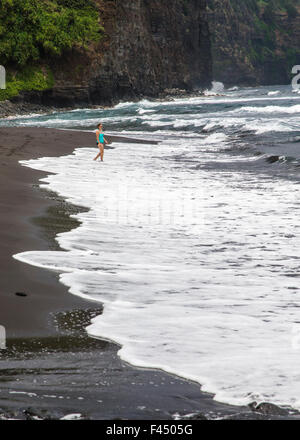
{"points": [[192, 245]]}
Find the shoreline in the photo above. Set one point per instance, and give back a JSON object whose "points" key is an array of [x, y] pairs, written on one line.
{"points": [[50, 320], [15, 108], [20, 202]]}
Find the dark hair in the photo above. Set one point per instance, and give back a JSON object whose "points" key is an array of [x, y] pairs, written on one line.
{"points": [[99, 124]]}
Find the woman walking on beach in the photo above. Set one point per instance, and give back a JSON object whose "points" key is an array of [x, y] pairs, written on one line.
{"points": [[100, 141]]}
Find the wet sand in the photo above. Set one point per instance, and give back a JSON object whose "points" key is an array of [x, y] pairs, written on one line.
{"points": [[20, 201], [51, 368]]}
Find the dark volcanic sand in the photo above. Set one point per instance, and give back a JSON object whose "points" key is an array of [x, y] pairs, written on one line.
{"points": [[27, 316], [51, 368]]}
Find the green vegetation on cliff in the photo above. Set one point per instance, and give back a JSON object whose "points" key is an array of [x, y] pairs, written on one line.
{"points": [[269, 28], [28, 78], [32, 32]]}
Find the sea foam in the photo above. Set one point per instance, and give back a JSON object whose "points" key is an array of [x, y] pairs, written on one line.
{"points": [[196, 269]]}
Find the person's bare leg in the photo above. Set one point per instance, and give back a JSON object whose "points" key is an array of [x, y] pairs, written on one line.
{"points": [[99, 154], [102, 152]]}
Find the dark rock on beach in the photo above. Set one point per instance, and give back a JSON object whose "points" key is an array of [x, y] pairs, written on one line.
{"points": [[268, 409]]}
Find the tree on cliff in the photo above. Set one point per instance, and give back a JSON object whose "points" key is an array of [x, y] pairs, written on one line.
{"points": [[32, 29], [32, 32]]}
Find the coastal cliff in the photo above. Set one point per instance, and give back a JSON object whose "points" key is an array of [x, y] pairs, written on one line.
{"points": [[147, 46], [254, 42], [72, 53], [152, 45]]}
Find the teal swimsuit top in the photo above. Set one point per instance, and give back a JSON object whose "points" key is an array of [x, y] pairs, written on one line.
{"points": [[101, 138]]}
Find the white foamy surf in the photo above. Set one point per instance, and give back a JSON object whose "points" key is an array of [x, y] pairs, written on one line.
{"points": [[192, 245], [196, 276]]}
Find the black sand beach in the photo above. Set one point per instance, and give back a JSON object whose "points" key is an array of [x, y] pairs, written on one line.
{"points": [[51, 368], [27, 316]]}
